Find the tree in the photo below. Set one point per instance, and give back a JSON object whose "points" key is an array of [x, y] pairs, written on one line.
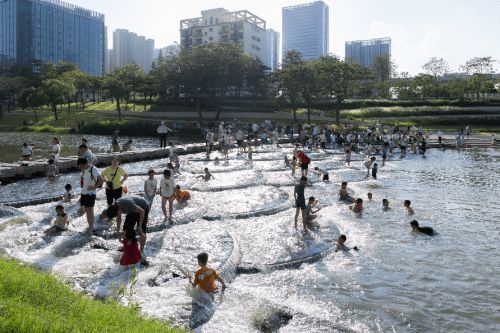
{"points": [[55, 91], [116, 89], [95, 86], [339, 80], [288, 78], [436, 67], [479, 65], [309, 74], [480, 70], [132, 76], [255, 77], [33, 97]]}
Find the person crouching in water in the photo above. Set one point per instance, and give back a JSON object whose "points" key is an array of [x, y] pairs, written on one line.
{"points": [[60, 224], [131, 254], [205, 277], [181, 196], [310, 213], [425, 230]]}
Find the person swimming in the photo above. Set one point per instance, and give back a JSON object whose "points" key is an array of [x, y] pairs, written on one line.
{"points": [[341, 244], [425, 230]]}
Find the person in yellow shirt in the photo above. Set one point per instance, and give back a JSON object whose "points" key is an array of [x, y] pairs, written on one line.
{"points": [[205, 277], [115, 176], [181, 196]]}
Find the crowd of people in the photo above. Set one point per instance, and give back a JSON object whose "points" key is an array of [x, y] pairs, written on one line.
{"points": [[132, 233]]}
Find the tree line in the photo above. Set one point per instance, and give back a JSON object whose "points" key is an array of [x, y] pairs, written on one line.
{"points": [[207, 75]]}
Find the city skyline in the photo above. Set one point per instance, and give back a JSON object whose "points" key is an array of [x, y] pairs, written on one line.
{"points": [[418, 30]]}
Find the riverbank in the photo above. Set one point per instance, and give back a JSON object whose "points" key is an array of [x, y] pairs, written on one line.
{"points": [[34, 301]]}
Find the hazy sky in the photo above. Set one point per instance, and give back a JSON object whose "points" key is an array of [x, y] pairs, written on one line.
{"points": [[456, 30]]}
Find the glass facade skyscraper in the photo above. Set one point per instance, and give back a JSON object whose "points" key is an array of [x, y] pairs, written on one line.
{"points": [[305, 29], [34, 31], [363, 52]]}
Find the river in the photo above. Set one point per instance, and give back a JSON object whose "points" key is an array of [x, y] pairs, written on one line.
{"points": [[398, 281]]}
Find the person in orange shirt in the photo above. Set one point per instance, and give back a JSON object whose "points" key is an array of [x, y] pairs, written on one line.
{"points": [[181, 196], [205, 277]]}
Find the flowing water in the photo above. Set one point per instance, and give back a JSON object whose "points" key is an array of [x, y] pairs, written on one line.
{"points": [[12, 142], [397, 282]]}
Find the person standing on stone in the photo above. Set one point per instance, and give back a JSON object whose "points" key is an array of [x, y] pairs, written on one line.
{"points": [[162, 132], [55, 150], [90, 181], [114, 176]]}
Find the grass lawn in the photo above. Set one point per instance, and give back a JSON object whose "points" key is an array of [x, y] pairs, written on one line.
{"points": [[33, 301]]}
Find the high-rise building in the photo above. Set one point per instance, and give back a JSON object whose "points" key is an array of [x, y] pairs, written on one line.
{"points": [[35, 31], [272, 49], [222, 26], [167, 51], [363, 52], [130, 48], [305, 29]]}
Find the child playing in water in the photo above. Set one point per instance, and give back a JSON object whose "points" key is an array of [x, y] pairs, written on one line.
{"points": [[425, 230], [205, 277], [357, 207], [370, 196], [150, 186], [323, 173], [344, 195], [60, 224], [294, 165], [341, 244], [409, 210], [348, 157], [385, 205], [167, 190], [310, 214], [250, 153], [368, 164], [68, 195], [287, 161], [181, 196], [207, 176], [52, 170], [374, 170], [131, 254], [216, 161]]}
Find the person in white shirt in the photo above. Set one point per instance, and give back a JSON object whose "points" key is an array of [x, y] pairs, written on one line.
{"points": [[55, 150], [368, 164], [163, 131], [210, 141], [90, 181], [167, 191], [150, 186], [239, 140], [26, 152]]}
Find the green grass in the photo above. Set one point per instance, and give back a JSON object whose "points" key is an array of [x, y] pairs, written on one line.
{"points": [[33, 301]]}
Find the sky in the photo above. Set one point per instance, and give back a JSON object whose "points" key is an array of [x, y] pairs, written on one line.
{"points": [[455, 30]]}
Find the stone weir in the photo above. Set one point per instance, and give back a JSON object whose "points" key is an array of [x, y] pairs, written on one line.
{"points": [[31, 169]]}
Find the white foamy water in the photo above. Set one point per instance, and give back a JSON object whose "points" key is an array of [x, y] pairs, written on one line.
{"points": [[397, 282]]}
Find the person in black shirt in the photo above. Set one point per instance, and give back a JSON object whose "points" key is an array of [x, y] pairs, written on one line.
{"points": [[426, 230], [300, 201]]}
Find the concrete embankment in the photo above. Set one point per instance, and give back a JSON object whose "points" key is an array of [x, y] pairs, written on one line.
{"points": [[32, 169]]}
